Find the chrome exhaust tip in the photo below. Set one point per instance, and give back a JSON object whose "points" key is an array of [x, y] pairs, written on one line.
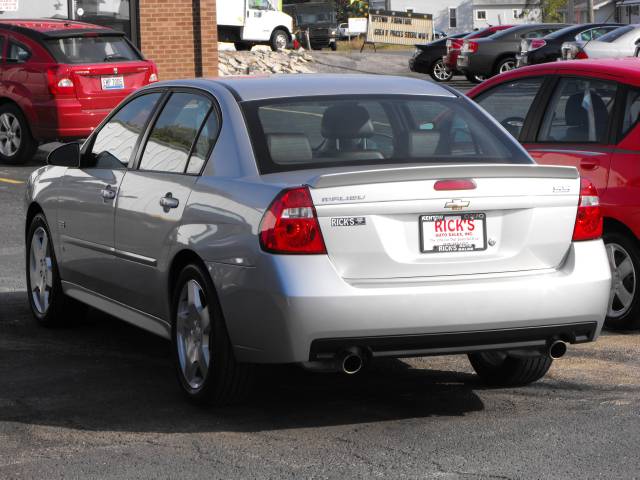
{"points": [[351, 361], [557, 349]]}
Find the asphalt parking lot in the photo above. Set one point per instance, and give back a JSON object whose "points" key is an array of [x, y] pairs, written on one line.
{"points": [[99, 400]]}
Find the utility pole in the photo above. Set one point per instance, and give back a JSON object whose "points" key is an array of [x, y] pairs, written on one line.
{"points": [[590, 11]]}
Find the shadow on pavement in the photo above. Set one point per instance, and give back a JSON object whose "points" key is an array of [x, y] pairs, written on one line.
{"points": [[102, 374]]}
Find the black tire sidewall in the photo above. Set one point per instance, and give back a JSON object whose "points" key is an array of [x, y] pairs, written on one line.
{"points": [[275, 36], [219, 344], [54, 313], [631, 319], [27, 145]]}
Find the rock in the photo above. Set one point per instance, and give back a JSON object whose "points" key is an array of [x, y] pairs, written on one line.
{"points": [[264, 61]]}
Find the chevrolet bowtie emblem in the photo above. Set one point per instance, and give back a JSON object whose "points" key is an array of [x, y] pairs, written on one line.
{"points": [[457, 204]]}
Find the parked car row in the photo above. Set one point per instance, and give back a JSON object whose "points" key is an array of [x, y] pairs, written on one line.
{"points": [[484, 53]]}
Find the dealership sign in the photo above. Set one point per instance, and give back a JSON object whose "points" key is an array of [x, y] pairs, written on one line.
{"points": [[400, 28], [8, 5]]}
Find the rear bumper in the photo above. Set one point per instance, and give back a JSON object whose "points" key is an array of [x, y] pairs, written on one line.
{"points": [[295, 308], [475, 64], [67, 119]]}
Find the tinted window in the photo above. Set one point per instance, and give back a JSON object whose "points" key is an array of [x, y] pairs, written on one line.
{"points": [[17, 53], [203, 146], [92, 49], [314, 133], [510, 102], [579, 111], [115, 142], [172, 136], [631, 111], [616, 34]]}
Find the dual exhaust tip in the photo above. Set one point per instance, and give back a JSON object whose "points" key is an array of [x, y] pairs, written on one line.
{"points": [[351, 360]]}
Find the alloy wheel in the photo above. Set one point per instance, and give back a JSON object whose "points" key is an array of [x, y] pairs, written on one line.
{"points": [[441, 72], [40, 270], [10, 134], [623, 281], [193, 332], [507, 66]]}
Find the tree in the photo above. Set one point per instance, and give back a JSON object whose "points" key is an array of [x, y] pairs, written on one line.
{"points": [[352, 8]]}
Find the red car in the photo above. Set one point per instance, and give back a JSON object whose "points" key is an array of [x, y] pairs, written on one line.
{"points": [[455, 44], [59, 79], [586, 114]]}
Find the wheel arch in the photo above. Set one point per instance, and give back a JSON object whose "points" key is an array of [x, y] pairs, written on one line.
{"points": [[33, 209], [499, 59], [180, 260], [283, 28], [613, 225]]}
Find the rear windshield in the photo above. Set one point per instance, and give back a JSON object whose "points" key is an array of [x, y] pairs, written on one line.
{"points": [[570, 30], [94, 49], [616, 34], [318, 132]]}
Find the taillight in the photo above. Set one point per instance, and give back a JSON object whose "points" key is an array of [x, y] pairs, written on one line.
{"points": [[581, 55], [153, 77], [461, 184], [536, 43], [60, 82], [290, 225], [470, 47], [589, 216], [449, 44]]}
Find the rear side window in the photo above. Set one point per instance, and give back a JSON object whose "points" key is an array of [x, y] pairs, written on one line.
{"points": [[92, 49], [510, 102], [174, 133], [579, 111], [300, 133], [115, 142], [17, 53], [616, 34]]}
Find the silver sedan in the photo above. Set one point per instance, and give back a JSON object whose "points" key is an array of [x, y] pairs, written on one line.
{"points": [[317, 220]]}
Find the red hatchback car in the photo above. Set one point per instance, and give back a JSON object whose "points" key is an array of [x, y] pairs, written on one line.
{"points": [[586, 114], [59, 79], [455, 44]]}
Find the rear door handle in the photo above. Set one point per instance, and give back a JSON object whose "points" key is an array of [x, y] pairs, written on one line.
{"points": [[108, 192], [589, 163], [167, 202]]}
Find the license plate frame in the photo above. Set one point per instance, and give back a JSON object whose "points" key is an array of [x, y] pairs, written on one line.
{"points": [[112, 82], [454, 247]]}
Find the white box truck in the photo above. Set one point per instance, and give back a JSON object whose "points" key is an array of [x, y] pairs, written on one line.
{"points": [[252, 22]]}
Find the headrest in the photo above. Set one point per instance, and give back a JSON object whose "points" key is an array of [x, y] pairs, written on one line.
{"points": [[347, 121], [423, 143], [577, 116], [288, 148]]}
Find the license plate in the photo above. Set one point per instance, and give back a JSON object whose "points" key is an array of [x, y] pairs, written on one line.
{"points": [[462, 61], [442, 233], [112, 83]]}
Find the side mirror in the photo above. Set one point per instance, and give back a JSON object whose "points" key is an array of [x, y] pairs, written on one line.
{"points": [[67, 155]]}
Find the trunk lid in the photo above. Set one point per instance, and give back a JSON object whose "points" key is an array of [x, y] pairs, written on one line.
{"points": [[383, 223], [88, 82]]}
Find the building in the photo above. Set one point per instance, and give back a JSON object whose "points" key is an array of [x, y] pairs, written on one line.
{"points": [[179, 35], [457, 16]]}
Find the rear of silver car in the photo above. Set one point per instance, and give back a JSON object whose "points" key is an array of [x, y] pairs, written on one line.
{"points": [[411, 226]]}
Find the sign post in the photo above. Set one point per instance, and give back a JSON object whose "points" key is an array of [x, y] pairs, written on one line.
{"points": [[398, 28]]}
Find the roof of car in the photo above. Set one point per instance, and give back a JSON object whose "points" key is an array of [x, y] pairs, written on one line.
{"points": [[627, 70], [307, 85], [53, 28]]}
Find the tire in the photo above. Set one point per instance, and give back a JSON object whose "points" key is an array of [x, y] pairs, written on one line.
{"points": [[206, 366], [51, 308], [16, 143], [333, 46], [439, 72], [279, 40], [624, 258], [505, 65], [243, 46], [500, 369], [474, 78]]}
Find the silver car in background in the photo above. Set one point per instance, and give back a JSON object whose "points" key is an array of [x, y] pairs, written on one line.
{"points": [[317, 220], [619, 43]]}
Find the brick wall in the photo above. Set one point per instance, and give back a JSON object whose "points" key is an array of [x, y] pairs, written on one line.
{"points": [[180, 36]]}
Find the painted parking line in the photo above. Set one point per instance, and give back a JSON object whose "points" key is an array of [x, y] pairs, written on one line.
{"points": [[11, 181]]}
